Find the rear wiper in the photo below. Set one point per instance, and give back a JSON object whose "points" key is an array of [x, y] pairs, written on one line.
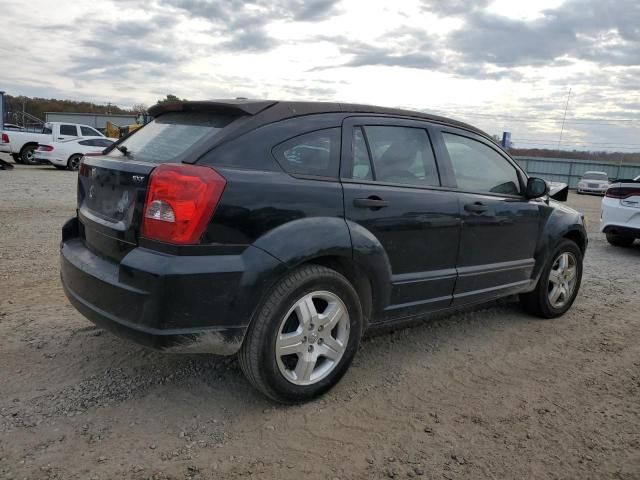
{"points": [[124, 150]]}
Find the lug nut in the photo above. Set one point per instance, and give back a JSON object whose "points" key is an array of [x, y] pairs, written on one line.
{"points": [[304, 339], [311, 348], [320, 341], [311, 326], [320, 328]]}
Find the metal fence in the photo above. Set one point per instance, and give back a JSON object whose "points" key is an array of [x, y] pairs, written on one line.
{"points": [[569, 171]]}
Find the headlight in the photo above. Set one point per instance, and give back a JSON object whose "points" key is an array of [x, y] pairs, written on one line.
{"points": [[581, 184]]}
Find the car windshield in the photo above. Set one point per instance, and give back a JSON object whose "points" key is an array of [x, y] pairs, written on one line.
{"points": [[170, 135], [595, 176]]}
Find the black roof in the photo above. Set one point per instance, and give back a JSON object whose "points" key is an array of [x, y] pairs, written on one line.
{"points": [[269, 111]]}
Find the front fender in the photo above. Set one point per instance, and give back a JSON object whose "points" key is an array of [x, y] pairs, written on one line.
{"points": [[558, 222]]}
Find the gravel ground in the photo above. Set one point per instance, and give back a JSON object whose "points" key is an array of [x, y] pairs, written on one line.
{"points": [[491, 393]]}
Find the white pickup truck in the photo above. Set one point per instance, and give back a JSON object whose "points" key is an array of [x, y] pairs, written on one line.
{"points": [[21, 144]]}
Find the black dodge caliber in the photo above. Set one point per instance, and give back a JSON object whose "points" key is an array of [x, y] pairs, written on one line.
{"points": [[283, 231]]}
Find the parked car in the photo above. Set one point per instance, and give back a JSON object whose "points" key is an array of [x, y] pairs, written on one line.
{"points": [[282, 231], [620, 218], [593, 182], [68, 153], [22, 144]]}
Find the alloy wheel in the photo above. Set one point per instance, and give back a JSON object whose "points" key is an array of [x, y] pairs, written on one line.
{"points": [[312, 338], [563, 277]]}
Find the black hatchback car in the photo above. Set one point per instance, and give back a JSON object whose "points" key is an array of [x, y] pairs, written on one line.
{"points": [[282, 231]]}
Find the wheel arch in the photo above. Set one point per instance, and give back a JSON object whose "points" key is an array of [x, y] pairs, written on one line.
{"points": [[338, 244]]}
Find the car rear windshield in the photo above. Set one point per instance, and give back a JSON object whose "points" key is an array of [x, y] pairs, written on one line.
{"points": [[170, 135], [595, 176]]}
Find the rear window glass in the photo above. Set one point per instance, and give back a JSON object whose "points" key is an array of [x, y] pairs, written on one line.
{"points": [[316, 153], [171, 134]]}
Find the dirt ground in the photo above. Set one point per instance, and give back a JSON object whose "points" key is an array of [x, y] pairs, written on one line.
{"points": [[492, 393]]}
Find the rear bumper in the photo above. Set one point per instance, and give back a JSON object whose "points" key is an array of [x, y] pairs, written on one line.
{"points": [[5, 148], [619, 219], [181, 304]]}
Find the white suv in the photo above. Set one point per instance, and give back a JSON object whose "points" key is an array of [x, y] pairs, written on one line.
{"points": [[620, 218]]}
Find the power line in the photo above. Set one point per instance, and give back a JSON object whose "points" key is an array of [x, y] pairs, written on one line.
{"points": [[545, 140]]}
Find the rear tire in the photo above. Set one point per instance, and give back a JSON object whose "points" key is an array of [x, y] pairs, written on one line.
{"points": [[74, 162], [280, 326], [26, 154], [619, 240], [557, 287]]}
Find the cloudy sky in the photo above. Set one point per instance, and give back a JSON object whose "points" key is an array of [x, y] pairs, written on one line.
{"points": [[499, 64]]}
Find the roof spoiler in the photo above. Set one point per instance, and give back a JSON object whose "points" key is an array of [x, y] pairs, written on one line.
{"points": [[237, 107]]}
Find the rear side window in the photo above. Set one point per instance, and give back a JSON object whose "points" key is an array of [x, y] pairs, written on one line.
{"points": [[400, 155], [479, 168], [361, 163], [171, 135], [89, 132], [70, 130], [315, 153]]}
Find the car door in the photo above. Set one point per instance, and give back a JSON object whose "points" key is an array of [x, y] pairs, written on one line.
{"points": [[66, 132], [500, 227], [392, 190]]}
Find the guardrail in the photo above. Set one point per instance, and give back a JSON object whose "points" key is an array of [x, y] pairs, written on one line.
{"points": [[569, 171]]}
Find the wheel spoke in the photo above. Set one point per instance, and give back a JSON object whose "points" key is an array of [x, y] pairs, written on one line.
{"points": [[563, 262], [331, 316], [554, 277], [306, 311], [290, 343], [571, 273], [555, 293], [305, 366], [331, 348]]}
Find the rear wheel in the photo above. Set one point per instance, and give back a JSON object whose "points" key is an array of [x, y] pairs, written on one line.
{"points": [[619, 240], [74, 161], [558, 284], [305, 335], [27, 156]]}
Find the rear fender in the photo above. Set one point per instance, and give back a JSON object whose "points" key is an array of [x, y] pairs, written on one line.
{"points": [[300, 241]]}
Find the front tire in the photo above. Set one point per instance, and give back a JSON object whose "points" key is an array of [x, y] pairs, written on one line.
{"points": [[558, 284], [304, 336], [619, 240]]}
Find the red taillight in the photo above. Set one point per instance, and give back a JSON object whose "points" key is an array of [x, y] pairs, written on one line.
{"points": [[45, 148], [180, 201], [5, 138], [622, 192]]}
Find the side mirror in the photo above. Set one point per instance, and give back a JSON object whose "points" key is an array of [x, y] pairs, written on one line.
{"points": [[536, 188]]}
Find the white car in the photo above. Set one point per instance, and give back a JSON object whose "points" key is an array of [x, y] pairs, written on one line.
{"points": [[593, 182], [21, 143], [620, 217], [68, 153]]}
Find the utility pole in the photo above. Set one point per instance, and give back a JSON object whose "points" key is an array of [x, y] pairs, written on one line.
{"points": [[564, 118]]}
